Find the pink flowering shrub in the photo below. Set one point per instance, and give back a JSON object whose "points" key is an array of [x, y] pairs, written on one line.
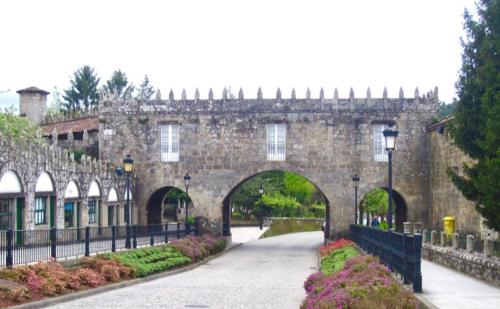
{"points": [[197, 248], [363, 283]]}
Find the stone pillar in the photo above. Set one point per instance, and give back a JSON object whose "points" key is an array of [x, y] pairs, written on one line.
{"points": [[434, 235], [425, 236], [487, 248], [417, 227], [454, 241], [407, 227], [470, 243], [442, 239]]}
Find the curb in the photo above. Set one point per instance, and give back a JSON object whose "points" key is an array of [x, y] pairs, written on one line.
{"points": [[81, 294]]}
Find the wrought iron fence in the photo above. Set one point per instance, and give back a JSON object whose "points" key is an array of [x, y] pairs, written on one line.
{"points": [[29, 246], [401, 252]]}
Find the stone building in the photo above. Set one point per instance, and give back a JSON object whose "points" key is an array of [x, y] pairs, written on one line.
{"points": [[223, 142]]}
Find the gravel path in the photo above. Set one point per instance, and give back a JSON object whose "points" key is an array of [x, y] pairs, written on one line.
{"points": [[265, 273]]}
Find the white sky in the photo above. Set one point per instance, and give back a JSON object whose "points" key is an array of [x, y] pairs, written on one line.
{"points": [[189, 44]]}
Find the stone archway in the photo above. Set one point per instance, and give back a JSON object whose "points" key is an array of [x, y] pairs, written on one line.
{"points": [[161, 209]]}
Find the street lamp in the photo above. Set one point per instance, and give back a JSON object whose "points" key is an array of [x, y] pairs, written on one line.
{"points": [[128, 167], [261, 191], [390, 145], [187, 180], [355, 181]]}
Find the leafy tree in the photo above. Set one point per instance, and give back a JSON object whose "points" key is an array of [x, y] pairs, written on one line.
{"points": [[376, 202], [19, 129], [120, 84], [476, 126], [146, 90], [82, 94]]}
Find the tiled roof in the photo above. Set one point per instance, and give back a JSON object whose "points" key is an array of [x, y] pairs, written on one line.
{"points": [[439, 124], [32, 90], [76, 125]]}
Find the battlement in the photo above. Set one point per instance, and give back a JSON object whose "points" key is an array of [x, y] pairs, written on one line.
{"points": [[227, 103]]}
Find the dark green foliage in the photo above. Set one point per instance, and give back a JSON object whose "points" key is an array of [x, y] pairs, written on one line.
{"points": [[476, 125], [147, 261], [120, 84], [82, 94], [146, 90]]}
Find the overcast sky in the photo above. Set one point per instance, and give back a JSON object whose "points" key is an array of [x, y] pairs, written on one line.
{"points": [[189, 44]]}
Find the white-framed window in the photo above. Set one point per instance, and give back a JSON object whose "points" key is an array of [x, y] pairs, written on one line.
{"points": [[40, 210], [276, 142], [170, 143], [92, 211], [379, 152]]}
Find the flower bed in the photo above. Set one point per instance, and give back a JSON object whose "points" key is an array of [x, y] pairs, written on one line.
{"points": [[362, 282], [47, 279]]}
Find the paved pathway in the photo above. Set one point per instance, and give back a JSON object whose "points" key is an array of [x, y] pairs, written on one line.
{"points": [[265, 273], [447, 288], [246, 234]]}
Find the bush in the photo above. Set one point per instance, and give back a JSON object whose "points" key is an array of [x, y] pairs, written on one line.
{"points": [[198, 248]]}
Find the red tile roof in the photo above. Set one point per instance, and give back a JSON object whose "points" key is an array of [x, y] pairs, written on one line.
{"points": [[77, 125]]}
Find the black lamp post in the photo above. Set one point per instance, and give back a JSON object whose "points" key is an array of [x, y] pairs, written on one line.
{"points": [[128, 167], [187, 179], [261, 191], [390, 145], [355, 181]]}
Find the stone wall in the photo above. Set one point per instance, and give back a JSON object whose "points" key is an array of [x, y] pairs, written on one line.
{"points": [[473, 264], [223, 142], [446, 200]]}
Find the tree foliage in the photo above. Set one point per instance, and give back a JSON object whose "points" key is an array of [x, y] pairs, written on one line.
{"points": [[476, 126], [82, 94], [120, 84], [145, 90], [19, 129], [375, 202]]}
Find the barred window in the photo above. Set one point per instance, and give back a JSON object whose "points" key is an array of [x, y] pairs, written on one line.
{"points": [[40, 210], [68, 214], [276, 142], [92, 211], [379, 152], [6, 213], [170, 143]]}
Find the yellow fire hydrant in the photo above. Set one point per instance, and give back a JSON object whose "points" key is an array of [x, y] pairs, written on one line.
{"points": [[449, 225]]}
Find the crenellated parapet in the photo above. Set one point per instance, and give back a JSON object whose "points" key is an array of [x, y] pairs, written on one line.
{"points": [[238, 103]]}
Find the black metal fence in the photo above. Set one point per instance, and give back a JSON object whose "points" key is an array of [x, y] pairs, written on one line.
{"points": [[401, 252], [28, 246]]}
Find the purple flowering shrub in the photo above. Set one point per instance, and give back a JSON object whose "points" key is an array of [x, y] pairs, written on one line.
{"points": [[197, 248], [363, 283]]}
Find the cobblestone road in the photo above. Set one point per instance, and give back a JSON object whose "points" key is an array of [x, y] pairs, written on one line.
{"points": [[266, 273]]}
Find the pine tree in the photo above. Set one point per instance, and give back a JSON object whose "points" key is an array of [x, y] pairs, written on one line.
{"points": [[82, 93], [120, 84], [475, 128], [146, 90]]}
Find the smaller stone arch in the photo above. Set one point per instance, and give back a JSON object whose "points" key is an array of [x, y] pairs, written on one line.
{"points": [[11, 201], [112, 213], [400, 208], [161, 211], [94, 203], [10, 183], [72, 215], [45, 212]]}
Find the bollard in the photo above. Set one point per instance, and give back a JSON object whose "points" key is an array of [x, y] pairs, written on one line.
{"points": [[470, 243], [434, 235], [487, 248], [407, 227], [454, 241], [417, 227], [442, 239], [425, 236]]}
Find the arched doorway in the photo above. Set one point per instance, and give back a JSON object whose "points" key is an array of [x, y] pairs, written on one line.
{"points": [[169, 204], [374, 204], [45, 201], [11, 202], [94, 204], [112, 213], [265, 190], [72, 215]]}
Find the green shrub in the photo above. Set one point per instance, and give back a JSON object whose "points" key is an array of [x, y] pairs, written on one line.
{"points": [[336, 260], [286, 226]]}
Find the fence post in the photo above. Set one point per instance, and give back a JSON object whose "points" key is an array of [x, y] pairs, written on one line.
{"points": [[113, 238], [166, 233], [178, 230], [127, 236], [53, 242], [406, 243], [197, 230], [151, 235], [87, 241], [186, 229], [417, 274], [9, 259], [134, 236]]}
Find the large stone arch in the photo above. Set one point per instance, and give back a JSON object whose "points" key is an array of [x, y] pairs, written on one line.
{"points": [[226, 211], [155, 205]]}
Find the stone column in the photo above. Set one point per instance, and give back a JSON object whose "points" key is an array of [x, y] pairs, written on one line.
{"points": [[407, 227], [442, 239], [434, 237], [454, 241], [470, 243]]}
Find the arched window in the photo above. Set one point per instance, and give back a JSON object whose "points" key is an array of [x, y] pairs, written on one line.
{"points": [[11, 201], [44, 196]]}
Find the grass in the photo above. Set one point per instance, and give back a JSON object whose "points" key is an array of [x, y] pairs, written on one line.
{"points": [[286, 226]]}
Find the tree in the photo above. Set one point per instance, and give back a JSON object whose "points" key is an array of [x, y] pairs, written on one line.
{"points": [[120, 84], [146, 90], [82, 93], [476, 126], [376, 202], [19, 129]]}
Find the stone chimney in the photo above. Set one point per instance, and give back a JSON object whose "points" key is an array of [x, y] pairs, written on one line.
{"points": [[33, 103]]}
